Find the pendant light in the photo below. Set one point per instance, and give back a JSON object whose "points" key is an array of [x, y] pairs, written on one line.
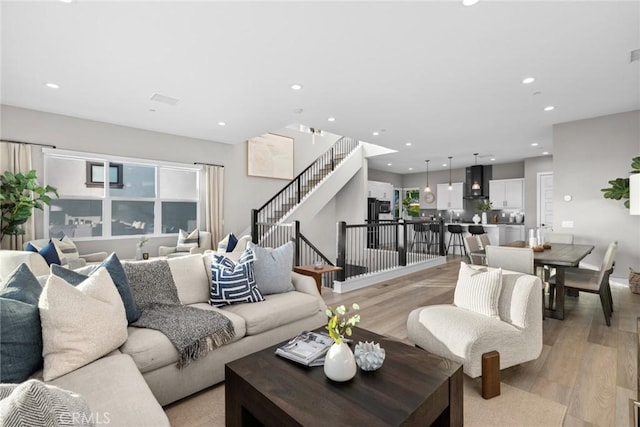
{"points": [[450, 184], [427, 189], [476, 184]]}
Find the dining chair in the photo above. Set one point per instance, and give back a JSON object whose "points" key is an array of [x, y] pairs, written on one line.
{"points": [[591, 281], [484, 240], [473, 246], [509, 258], [560, 238]]}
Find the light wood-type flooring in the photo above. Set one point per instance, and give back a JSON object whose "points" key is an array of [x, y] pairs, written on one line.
{"points": [[586, 366]]}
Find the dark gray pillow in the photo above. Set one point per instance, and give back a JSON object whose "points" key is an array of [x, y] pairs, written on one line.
{"points": [[20, 330], [119, 277], [272, 268]]}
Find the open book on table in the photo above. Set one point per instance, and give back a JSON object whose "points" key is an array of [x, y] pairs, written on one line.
{"points": [[308, 348]]}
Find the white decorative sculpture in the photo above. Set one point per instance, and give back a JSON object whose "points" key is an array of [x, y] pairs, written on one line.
{"points": [[369, 356]]}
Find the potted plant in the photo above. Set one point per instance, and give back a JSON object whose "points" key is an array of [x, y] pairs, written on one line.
{"points": [[620, 186], [484, 206], [339, 362], [19, 195]]}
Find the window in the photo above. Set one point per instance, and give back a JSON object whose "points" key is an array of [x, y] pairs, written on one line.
{"points": [[139, 197]]}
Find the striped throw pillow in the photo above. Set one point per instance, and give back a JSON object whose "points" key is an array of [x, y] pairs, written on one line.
{"points": [[233, 282], [187, 241], [479, 290]]}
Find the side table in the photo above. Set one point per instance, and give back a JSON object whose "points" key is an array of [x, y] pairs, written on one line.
{"points": [[316, 272]]}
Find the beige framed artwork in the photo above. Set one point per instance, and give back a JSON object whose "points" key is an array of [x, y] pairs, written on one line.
{"points": [[270, 156]]}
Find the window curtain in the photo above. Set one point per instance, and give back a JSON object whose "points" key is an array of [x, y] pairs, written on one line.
{"points": [[16, 158], [214, 176]]}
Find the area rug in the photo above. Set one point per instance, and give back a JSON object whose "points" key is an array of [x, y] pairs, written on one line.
{"points": [[514, 407]]}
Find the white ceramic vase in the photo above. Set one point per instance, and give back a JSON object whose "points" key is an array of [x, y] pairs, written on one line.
{"points": [[484, 217], [476, 219], [339, 363], [138, 253]]}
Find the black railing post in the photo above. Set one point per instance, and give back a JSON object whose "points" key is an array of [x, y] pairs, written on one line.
{"points": [[402, 248], [296, 233], [341, 260], [299, 181], [333, 160], [254, 225], [442, 250]]}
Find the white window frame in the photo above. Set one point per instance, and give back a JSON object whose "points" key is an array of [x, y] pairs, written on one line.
{"points": [[106, 198]]}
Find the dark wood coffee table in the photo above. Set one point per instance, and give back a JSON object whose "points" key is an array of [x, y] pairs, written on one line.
{"points": [[413, 387]]}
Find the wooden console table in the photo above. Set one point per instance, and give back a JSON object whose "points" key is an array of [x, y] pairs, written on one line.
{"points": [[316, 272]]}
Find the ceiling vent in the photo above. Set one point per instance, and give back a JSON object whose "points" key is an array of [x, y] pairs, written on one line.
{"points": [[635, 55], [157, 97]]}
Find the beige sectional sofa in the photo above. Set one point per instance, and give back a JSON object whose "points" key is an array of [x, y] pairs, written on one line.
{"points": [[130, 384]]}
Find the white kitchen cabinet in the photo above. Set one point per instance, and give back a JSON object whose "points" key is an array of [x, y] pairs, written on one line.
{"points": [[380, 190], [450, 199], [507, 193], [511, 233]]}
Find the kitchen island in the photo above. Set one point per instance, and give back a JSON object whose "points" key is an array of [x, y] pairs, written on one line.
{"points": [[499, 234]]}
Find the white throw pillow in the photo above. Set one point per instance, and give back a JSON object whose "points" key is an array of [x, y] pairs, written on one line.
{"points": [[80, 324], [479, 290], [67, 250], [188, 241]]}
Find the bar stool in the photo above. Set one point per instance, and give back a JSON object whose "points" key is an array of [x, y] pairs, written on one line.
{"points": [[476, 230], [420, 236], [434, 238], [455, 233]]}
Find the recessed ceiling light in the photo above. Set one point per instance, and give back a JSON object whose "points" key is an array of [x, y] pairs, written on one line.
{"points": [[52, 86], [534, 144], [408, 144], [545, 153], [528, 80], [469, 2], [410, 169], [331, 119], [222, 123], [375, 133], [389, 164], [66, 1], [493, 159], [444, 165], [549, 108], [296, 86]]}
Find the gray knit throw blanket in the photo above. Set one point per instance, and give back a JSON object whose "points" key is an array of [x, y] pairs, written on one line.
{"points": [[194, 332]]}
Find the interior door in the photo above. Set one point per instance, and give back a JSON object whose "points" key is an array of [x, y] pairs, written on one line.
{"points": [[545, 199]]}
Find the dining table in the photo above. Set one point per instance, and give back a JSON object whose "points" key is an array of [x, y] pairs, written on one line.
{"points": [[559, 256]]}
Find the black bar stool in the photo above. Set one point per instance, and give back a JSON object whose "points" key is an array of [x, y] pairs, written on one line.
{"points": [[434, 238], [455, 234], [476, 230], [420, 236]]}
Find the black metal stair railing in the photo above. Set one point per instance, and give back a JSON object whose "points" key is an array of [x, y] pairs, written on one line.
{"points": [[382, 245], [287, 198]]}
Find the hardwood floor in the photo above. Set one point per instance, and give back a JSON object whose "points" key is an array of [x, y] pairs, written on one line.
{"points": [[586, 366]]}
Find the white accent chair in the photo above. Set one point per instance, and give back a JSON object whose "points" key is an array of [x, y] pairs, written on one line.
{"points": [[464, 336], [204, 244], [81, 261]]}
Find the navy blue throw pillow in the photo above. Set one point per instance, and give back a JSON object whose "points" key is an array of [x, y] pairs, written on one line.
{"points": [[119, 277], [20, 330], [231, 244], [49, 252]]}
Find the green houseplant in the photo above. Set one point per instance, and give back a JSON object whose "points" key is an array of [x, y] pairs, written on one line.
{"points": [[620, 186], [484, 206], [19, 195]]}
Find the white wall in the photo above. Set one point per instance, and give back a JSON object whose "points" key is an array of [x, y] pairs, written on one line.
{"points": [[587, 154], [242, 193]]}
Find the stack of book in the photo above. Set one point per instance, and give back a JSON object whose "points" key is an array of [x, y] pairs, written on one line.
{"points": [[308, 348]]}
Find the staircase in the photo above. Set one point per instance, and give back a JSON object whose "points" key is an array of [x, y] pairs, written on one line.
{"points": [[291, 196]]}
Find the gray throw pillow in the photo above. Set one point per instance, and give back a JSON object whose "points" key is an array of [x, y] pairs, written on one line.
{"points": [[119, 277], [20, 331], [272, 268]]}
